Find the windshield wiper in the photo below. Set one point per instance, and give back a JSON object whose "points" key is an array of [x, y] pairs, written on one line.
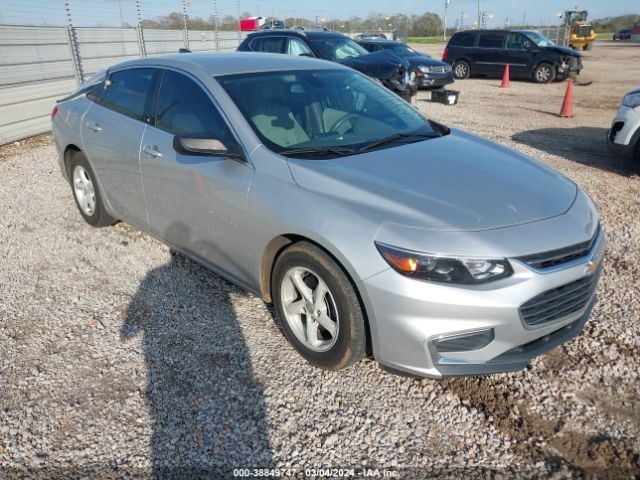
{"points": [[398, 136], [318, 151]]}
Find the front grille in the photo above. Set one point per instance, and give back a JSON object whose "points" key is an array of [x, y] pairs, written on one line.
{"points": [[440, 69], [560, 301], [559, 256], [583, 30]]}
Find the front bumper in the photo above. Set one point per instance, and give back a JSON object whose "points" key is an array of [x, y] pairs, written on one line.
{"points": [[624, 134], [413, 316], [430, 80]]}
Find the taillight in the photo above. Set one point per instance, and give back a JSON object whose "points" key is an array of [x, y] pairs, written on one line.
{"points": [[54, 112], [445, 53]]}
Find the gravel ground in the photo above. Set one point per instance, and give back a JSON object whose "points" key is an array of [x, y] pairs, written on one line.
{"points": [[117, 359]]}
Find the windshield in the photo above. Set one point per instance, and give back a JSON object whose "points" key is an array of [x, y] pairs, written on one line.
{"points": [[401, 49], [338, 110], [338, 48], [540, 40]]}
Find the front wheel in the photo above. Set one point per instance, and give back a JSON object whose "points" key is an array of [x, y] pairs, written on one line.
{"points": [[318, 308], [461, 70], [544, 73]]}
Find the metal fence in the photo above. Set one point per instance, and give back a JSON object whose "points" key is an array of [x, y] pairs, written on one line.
{"points": [[41, 64]]}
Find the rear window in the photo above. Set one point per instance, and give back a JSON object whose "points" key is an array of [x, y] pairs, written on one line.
{"points": [[490, 40], [128, 90], [268, 44], [463, 40]]}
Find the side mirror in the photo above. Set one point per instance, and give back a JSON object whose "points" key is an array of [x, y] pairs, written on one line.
{"points": [[528, 46], [205, 146]]}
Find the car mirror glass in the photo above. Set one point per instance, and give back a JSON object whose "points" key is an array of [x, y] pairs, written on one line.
{"points": [[207, 146]]}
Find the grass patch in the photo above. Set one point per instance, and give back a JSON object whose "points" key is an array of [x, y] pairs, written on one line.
{"points": [[426, 40]]}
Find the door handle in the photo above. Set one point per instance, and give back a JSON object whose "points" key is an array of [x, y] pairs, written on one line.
{"points": [[94, 126], [152, 150]]}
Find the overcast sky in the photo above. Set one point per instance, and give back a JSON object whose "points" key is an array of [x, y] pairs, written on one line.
{"points": [[108, 12]]}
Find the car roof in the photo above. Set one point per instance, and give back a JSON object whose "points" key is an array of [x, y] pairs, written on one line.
{"points": [[214, 63], [385, 41], [297, 32]]}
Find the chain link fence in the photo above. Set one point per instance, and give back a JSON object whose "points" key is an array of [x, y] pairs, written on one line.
{"points": [[48, 48]]}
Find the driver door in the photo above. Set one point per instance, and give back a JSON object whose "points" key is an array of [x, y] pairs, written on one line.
{"points": [[517, 55], [197, 203]]}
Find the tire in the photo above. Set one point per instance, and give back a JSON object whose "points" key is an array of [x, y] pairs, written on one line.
{"points": [[544, 73], [588, 47], [461, 70], [86, 192], [344, 342]]}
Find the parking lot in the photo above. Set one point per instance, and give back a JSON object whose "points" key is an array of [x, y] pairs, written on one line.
{"points": [[117, 358]]}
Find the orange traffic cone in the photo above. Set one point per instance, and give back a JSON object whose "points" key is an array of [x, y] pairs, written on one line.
{"points": [[567, 103], [505, 77]]}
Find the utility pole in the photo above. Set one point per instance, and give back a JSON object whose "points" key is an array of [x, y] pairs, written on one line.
{"points": [[186, 24], [121, 17], [444, 20], [479, 15], [462, 20], [524, 18], [215, 24]]}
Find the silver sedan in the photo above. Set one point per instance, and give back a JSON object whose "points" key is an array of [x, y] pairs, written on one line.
{"points": [[374, 230]]}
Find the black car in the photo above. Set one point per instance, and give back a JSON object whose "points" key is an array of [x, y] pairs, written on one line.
{"points": [[390, 69], [624, 34], [431, 73], [529, 55]]}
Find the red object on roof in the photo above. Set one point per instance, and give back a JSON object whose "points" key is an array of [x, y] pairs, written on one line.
{"points": [[249, 24]]}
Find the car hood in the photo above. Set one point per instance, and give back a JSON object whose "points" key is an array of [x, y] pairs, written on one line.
{"points": [[383, 65], [563, 51], [416, 60], [458, 182]]}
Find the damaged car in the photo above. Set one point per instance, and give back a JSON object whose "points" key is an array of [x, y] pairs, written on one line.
{"points": [[529, 54], [392, 71]]}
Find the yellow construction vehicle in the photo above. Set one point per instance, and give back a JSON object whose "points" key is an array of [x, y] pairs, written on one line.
{"points": [[580, 34]]}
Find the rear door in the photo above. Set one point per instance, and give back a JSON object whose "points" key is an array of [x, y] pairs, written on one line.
{"points": [[111, 131], [197, 203], [517, 55], [488, 56]]}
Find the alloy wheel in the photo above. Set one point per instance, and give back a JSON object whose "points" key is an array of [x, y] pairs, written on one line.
{"points": [[84, 191], [310, 309]]}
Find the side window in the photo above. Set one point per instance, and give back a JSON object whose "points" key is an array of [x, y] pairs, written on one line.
{"points": [[97, 93], [515, 41], [463, 40], [184, 108], [490, 40], [127, 91], [268, 44], [298, 47]]}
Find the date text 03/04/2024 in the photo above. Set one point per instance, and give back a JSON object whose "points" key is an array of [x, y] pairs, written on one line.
{"points": [[316, 472]]}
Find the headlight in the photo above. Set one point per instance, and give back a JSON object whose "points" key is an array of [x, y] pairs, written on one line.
{"points": [[631, 100], [444, 269], [424, 68]]}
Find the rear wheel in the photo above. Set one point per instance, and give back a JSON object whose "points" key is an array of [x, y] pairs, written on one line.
{"points": [[318, 308], [86, 192], [544, 73], [461, 70]]}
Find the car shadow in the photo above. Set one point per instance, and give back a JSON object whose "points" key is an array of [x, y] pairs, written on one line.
{"points": [[207, 410], [585, 145]]}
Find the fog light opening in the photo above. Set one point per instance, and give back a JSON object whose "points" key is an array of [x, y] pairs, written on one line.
{"points": [[465, 342]]}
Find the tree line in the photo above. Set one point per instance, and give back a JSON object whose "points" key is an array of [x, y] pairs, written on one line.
{"points": [[425, 25]]}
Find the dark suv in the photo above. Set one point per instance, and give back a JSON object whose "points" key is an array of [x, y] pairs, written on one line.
{"points": [[391, 70], [529, 55]]}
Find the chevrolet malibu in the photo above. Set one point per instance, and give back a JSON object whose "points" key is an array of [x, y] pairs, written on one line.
{"points": [[374, 230]]}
